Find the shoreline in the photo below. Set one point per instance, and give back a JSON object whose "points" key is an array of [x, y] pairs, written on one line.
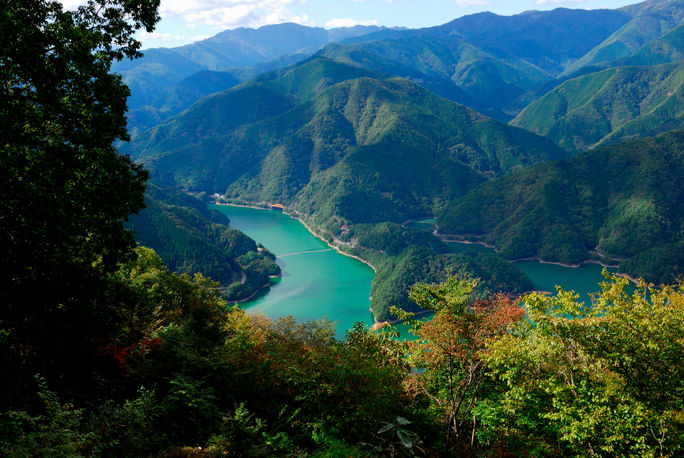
{"points": [[381, 324], [455, 238], [243, 206], [312, 232], [251, 296], [333, 246]]}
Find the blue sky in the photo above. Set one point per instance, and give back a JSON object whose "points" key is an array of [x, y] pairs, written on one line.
{"points": [[184, 21]]}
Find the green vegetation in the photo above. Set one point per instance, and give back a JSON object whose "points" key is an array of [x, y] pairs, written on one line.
{"points": [[190, 238], [404, 256], [550, 40], [571, 386], [105, 352], [66, 190], [625, 201], [451, 68], [609, 106], [182, 369], [338, 145], [649, 22], [667, 49], [326, 124], [171, 99]]}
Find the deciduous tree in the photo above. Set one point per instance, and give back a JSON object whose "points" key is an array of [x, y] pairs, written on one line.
{"points": [[448, 356], [65, 189]]}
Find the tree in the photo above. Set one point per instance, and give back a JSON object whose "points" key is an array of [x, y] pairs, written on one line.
{"points": [[605, 379], [66, 191], [448, 356]]}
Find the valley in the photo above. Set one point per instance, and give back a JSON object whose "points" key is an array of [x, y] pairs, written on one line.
{"points": [[318, 283], [350, 240]]}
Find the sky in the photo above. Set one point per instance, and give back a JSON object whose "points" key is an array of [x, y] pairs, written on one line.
{"points": [[185, 21]]}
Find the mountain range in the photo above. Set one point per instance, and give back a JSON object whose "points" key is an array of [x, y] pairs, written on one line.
{"points": [[232, 49], [326, 125], [390, 125], [616, 204], [190, 238]]}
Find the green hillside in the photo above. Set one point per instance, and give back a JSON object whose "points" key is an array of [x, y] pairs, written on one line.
{"points": [[190, 238], [667, 49], [485, 61], [609, 106], [452, 68], [338, 144], [403, 256], [651, 20], [169, 100], [322, 120], [550, 40], [625, 201]]}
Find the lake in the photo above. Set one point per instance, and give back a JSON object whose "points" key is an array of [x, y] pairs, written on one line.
{"points": [[317, 282], [584, 280]]}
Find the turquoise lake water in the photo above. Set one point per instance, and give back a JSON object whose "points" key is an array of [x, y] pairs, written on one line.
{"points": [[584, 280], [319, 283]]}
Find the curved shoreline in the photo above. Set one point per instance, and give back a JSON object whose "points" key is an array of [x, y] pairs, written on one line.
{"points": [[456, 238], [334, 247], [303, 223], [315, 234]]}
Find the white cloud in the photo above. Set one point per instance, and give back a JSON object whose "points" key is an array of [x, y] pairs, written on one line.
{"points": [[467, 3], [72, 4], [546, 2], [171, 38], [223, 14], [348, 22]]}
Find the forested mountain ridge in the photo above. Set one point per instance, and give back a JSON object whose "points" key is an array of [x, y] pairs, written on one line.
{"points": [[338, 144], [485, 61], [650, 21], [493, 64], [608, 106], [625, 201], [232, 49], [190, 238], [319, 112], [453, 69]]}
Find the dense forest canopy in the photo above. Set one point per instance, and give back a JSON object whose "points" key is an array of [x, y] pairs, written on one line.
{"points": [[106, 352], [66, 190]]}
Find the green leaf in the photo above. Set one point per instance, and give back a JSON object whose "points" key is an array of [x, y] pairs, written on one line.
{"points": [[403, 421], [404, 438]]}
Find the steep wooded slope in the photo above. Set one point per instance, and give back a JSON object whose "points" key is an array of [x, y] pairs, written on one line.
{"points": [[650, 21], [625, 201], [609, 106], [190, 238], [342, 133]]}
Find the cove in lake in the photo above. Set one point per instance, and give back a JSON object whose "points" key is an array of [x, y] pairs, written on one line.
{"points": [[317, 282], [584, 280]]}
